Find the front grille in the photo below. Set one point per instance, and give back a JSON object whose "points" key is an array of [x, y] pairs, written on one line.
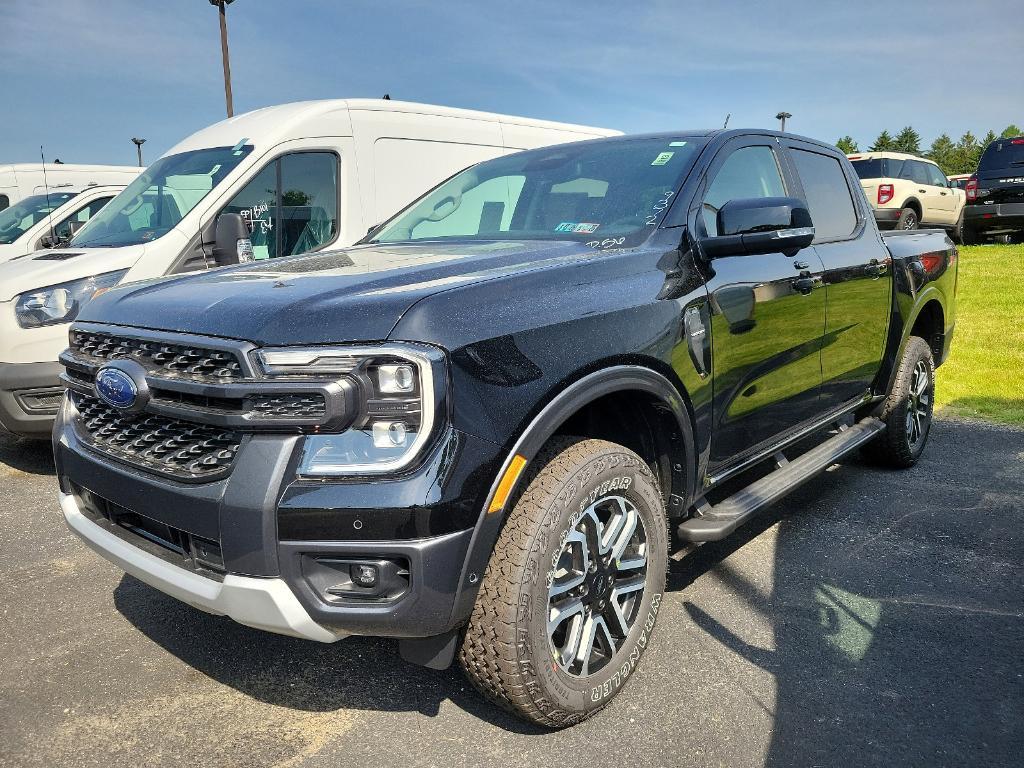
{"points": [[179, 360], [288, 405], [179, 449]]}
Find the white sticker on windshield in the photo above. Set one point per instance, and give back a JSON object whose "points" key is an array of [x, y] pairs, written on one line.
{"points": [[663, 158], [677, 143]]}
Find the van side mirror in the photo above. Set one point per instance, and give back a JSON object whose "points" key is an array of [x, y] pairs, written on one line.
{"points": [[760, 225], [231, 242]]}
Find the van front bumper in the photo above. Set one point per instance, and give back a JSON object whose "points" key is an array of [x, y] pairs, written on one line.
{"points": [[30, 395]]}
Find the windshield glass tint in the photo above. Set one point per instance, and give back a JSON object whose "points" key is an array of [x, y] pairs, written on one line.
{"points": [[878, 168], [26, 213], [1003, 154], [157, 200], [588, 191]]}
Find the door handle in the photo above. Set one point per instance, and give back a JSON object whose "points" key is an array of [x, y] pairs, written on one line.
{"points": [[800, 265], [875, 268], [923, 191], [943, 193], [804, 284]]}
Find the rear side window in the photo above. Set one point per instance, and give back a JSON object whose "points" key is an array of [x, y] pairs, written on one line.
{"points": [[914, 170], [828, 194], [878, 168], [5, 201], [1004, 153]]}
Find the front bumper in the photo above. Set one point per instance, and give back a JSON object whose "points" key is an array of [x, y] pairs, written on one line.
{"points": [[263, 603], [30, 394], [274, 532], [997, 217]]}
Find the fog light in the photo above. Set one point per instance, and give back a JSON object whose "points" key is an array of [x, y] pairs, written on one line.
{"points": [[389, 434], [364, 575]]}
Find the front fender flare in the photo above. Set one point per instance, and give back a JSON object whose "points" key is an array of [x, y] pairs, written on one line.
{"points": [[543, 426]]}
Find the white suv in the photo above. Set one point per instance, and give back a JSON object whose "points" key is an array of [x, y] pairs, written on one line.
{"points": [[906, 192]]}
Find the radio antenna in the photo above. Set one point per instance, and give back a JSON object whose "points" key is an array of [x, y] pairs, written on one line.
{"points": [[46, 188]]}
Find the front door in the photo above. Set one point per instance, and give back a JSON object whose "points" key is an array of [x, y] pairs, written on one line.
{"points": [[858, 279], [768, 314]]}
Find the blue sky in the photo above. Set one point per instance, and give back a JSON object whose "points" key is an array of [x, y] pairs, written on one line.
{"points": [[83, 77]]}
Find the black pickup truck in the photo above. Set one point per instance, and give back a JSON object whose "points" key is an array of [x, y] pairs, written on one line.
{"points": [[484, 429]]}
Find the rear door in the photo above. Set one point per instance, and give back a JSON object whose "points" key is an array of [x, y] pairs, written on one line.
{"points": [[857, 268], [768, 313]]}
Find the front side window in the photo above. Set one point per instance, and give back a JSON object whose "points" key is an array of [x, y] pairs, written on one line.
{"points": [[72, 223], [827, 193], [935, 176], [614, 191], [291, 206], [4, 202], [26, 213], [749, 172], [154, 203]]}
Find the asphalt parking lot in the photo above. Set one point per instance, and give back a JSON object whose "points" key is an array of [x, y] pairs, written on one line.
{"points": [[872, 618]]}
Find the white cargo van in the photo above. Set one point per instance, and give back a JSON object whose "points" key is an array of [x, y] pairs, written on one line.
{"points": [[49, 218], [22, 180], [303, 176]]}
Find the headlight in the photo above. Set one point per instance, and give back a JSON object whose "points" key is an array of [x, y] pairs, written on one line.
{"points": [[395, 413], [61, 303]]}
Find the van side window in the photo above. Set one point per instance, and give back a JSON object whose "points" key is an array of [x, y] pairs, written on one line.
{"points": [[748, 172], [291, 205], [827, 193], [79, 217]]}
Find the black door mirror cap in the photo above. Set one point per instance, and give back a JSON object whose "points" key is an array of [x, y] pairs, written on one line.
{"points": [[232, 236], [760, 225]]}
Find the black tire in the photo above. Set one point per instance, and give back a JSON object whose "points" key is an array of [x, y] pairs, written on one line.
{"points": [[907, 411], [507, 652], [971, 236], [957, 234], [908, 219]]}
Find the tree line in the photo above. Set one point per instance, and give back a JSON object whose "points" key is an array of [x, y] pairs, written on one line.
{"points": [[951, 156]]}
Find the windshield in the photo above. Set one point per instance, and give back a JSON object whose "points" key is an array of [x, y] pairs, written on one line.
{"points": [[606, 190], [153, 204], [26, 213], [878, 168], [1004, 153]]}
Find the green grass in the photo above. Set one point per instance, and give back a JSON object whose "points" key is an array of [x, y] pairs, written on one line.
{"points": [[984, 376]]}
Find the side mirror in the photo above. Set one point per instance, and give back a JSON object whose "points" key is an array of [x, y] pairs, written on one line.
{"points": [[760, 225], [231, 242]]}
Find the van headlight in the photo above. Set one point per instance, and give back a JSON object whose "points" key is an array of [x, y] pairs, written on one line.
{"points": [[398, 388], [61, 303]]}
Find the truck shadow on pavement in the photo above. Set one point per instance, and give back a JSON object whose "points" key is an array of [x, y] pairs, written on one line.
{"points": [[31, 456], [895, 603]]}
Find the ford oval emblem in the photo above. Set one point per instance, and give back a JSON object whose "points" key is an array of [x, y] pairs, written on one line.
{"points": [[116, 388]]}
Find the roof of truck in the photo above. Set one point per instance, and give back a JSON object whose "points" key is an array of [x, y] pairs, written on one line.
{"points": [[273, 124]]}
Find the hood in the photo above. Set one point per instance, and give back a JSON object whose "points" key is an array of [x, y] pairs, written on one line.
{"points": [[354, 295], [50, 267]]}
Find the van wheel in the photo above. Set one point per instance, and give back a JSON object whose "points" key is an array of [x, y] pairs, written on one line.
{"points": [[907, 411], [570, 596], [908, 219]]}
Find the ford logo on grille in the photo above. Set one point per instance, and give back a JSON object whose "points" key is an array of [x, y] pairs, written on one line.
{"points": [[116, 388]]}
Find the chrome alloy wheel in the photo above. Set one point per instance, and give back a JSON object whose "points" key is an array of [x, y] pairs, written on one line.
{"points": [[919, 403], [597, 586]]}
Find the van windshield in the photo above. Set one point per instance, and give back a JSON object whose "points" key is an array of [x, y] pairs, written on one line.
{"points": [[604, 190], [27, 212], [159, 198]]}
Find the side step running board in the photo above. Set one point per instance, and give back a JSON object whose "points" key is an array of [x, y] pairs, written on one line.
{"points": [[717, 522]]}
